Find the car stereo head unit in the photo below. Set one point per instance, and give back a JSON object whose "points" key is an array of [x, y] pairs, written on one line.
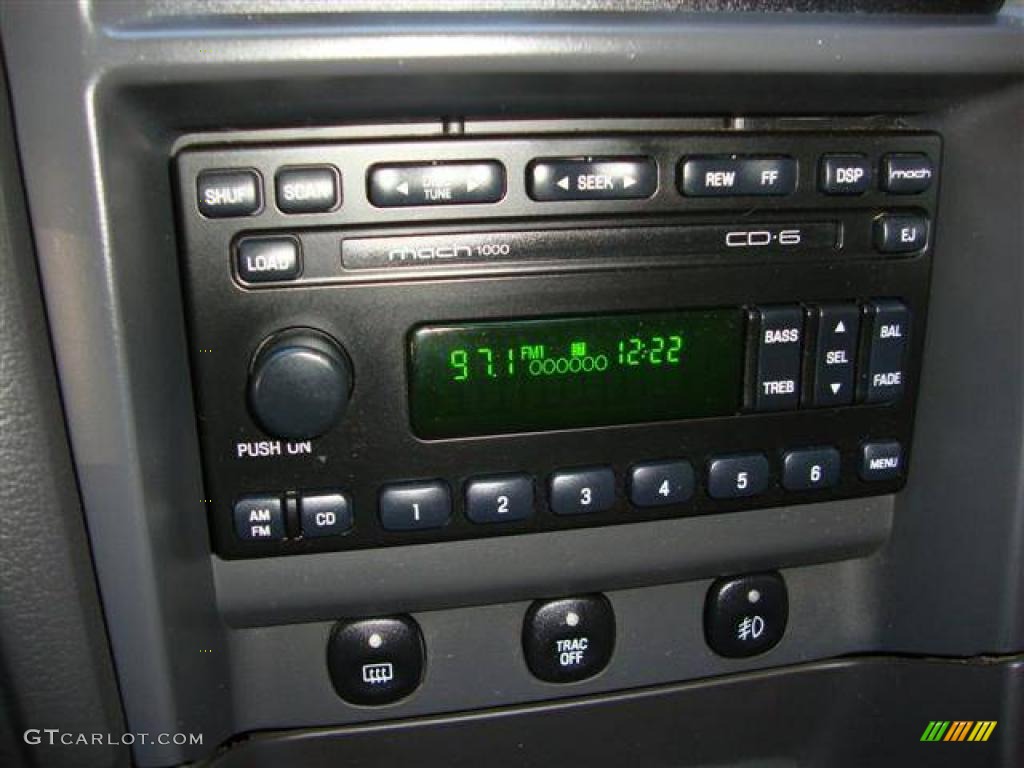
{"points": [[463, 336]]}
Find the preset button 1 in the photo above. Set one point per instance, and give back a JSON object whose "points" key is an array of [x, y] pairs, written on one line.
{"points": [[415, 506], [570, 639]]}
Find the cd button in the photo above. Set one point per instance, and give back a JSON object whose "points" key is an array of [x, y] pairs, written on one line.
{"points": [[394, 185], [582, 491], [603, 178], [499, 499], [415, 506], [726, 176], [735, 477], [325, 514]]}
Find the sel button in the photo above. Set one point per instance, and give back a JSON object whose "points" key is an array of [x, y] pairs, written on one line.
{"points": [[601, 178], [838, 327], [569, 640]]}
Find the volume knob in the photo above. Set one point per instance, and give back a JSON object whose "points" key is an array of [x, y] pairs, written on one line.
{"points": [[300, 381]]}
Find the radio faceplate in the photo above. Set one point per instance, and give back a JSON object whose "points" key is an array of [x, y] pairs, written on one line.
{"points": [[600, 250]]}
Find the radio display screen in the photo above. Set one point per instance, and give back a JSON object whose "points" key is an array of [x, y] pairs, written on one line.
{"points": [[486, 378]]}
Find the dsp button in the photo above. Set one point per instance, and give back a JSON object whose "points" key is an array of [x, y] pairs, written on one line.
{"points": [[838, 327], [229, 193], [259, 518], [309, 189], [778, 334], [394, 185], [570, 639], [725, 176], [906, 174], [268, 259], [844, 174], [900, 233], [884, 376], [603, 178], [746, 615], [375, 661]]}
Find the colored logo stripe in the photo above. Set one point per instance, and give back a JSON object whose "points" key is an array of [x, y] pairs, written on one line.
{"points": [[958, 730], [935, 730]]}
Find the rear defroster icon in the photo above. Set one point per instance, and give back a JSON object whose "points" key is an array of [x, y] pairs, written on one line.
{"points": [[376, 674]]}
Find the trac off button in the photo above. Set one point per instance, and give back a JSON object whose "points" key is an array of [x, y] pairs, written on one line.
{"points": [[569, 639]]}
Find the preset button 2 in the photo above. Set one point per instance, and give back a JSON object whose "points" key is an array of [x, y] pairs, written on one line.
{"points": [[499, 499]]}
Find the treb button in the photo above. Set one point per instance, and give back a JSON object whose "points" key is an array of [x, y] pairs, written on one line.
{"points": [[601, 178], [727, 175]]}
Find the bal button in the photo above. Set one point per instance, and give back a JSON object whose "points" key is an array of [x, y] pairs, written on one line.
{"points": [[570, 639]]}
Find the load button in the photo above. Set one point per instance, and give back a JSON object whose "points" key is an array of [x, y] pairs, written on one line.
{"points": [[884, 377]]}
